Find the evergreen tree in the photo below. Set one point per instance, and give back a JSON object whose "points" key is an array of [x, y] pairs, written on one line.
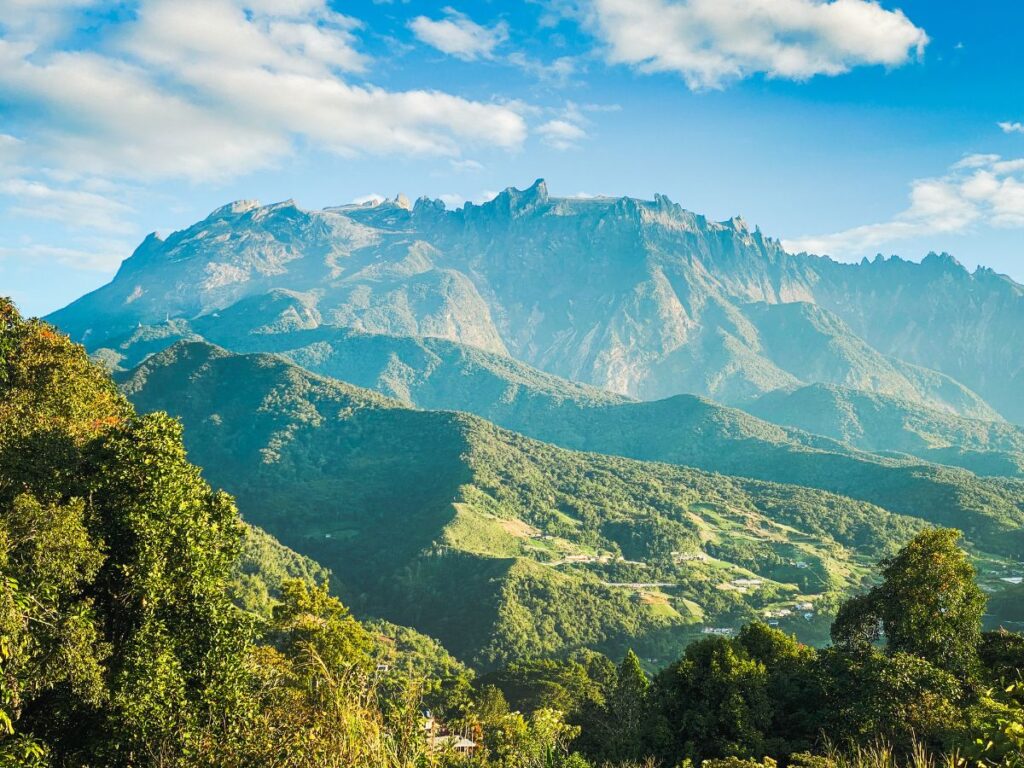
{"points": [[627, 712]]}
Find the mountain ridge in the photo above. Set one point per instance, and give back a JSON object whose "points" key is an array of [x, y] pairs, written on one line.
{"points": [[491, 518], [640, 297]]}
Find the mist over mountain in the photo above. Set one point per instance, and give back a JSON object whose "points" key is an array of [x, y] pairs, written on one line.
{"points": [[642, 298]]}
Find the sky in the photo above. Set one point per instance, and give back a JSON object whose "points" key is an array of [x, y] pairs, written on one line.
{"points": [[842, 127]]}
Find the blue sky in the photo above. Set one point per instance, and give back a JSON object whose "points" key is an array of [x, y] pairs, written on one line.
{"points": [[847, 127]]}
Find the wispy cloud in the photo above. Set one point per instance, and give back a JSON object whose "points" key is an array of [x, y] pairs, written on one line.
{"points": [[570, 125], [76, 208], [978, 190], [92, 256], [558, 72], [1012, 127], [372, 197], [206, 89], [466, 165], [457, 35], [713, 42], [561, 134]]}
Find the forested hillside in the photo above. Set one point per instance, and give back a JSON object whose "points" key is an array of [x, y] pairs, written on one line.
{"points": [[510, 544], [874, 422], [143, 624], [686, 430]]}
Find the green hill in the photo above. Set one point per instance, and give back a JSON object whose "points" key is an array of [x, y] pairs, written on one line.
{"points": [[874, 422], [500, 545], [686, 430]]}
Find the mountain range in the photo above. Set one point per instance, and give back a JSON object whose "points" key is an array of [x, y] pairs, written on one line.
{"points": [[641, 298], [596, 422]]}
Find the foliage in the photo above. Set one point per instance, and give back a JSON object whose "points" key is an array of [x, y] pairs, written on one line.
{"points": [[928, 605], [116, 625], [510, 547]]}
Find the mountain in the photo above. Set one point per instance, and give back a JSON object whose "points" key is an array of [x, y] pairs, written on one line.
{"points": [[685, 429], [880, 423], [509, 545], [638, 297]]}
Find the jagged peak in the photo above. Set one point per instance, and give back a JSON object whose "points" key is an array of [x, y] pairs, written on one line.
{"points": [[737, 223], [401, 201], [943, 260], [289, 203], [235, 208], [516, 201], [539, 189], [425, 204]]}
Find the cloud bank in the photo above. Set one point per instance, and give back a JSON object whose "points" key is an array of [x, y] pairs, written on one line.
{"points": [[711, 43], [205, 89], [980, 189]]}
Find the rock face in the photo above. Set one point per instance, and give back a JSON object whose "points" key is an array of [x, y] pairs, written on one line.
{"points": [[639, 297]]}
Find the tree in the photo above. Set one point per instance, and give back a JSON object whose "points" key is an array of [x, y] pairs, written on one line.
{"points": [[540, 740], [714, 702], [118, 643], [928, 605], [626, 713], [1002, 656], [898, 697], [794, 687]]}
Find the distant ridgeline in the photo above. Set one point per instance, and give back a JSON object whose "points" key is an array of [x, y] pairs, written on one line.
{"points": [[144, 625], [317, 359], [637, 297]]}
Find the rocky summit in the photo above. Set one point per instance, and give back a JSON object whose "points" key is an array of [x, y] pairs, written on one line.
{"points": [[639, 297]]}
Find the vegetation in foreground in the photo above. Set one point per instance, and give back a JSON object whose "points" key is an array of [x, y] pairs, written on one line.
{"points": [[120, 644]]}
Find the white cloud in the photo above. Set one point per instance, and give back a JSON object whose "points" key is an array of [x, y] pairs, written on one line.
{"points": [[466, 165], [558, 72], [978, 190], [1012, 127], [458, 35], [95, 256], [10, 148], [569, 127], [216, 88], [713, 42], [561, 134], [72, 207], [40, 19]]}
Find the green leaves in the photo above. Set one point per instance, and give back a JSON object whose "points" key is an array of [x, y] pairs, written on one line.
{"points": [[928, 605]]}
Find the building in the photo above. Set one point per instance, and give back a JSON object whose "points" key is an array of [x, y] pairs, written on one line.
{"points": [[440, 740], [452, 743]]}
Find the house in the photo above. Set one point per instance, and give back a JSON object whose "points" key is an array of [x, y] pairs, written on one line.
{"points": [[748, 582], [805, 606], [723, 631], [451, 743], [440, 740]]}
